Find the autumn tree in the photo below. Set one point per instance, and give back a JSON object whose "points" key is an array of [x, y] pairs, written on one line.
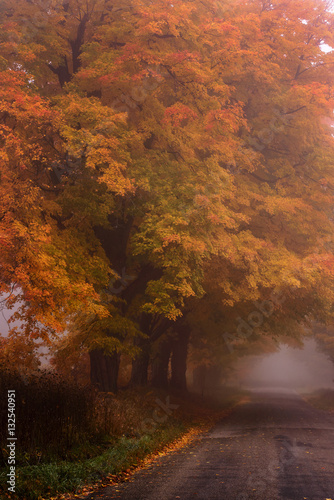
{"points": [[185, 159]]}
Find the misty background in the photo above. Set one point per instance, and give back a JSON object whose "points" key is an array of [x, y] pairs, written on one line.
{"points": [[301, 369]]}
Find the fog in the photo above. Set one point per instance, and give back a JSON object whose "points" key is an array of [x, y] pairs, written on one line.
{"points": [[5, 314], [304, 369], [300, 369]]}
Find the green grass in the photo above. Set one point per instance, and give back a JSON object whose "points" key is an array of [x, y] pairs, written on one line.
{"points": [[45, 480], [116, 442]]}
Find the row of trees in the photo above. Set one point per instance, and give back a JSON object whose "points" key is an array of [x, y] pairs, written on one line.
{"points": [[163, 166]]}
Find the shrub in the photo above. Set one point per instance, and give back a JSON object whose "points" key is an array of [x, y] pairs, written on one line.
{"points": [[52, 414]]}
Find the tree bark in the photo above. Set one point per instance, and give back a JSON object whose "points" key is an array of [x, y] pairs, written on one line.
{"points": [[104, 370], [139, 374], [63, 71], [199, 379], [160, 364], [179, 358]]}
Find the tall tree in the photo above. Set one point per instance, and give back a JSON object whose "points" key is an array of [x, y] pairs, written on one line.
{"points": [[173, 144]]}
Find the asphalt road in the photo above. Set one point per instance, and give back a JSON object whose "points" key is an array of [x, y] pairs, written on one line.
{"points": [[274, 447]]}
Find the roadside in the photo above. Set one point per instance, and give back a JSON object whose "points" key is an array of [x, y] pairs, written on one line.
{"points": [[135, 427], [275, 446], [322, 399]]}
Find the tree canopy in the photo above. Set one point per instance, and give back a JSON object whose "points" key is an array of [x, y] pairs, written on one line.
{"points": [[163, 166]]}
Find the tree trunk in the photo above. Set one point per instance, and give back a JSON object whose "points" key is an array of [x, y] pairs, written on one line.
{"points": [[153, 328], [104, 370], [179, 359], [199, 379], [139, 375], [160, 364]]}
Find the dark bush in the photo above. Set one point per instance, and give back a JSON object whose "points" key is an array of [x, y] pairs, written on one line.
{"points": [[52, 414]]}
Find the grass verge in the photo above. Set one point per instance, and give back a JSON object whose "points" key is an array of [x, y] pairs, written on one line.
{"points": [[46, 480], [118, 455]]}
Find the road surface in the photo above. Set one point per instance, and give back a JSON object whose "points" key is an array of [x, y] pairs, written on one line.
{"points": [[274, 447]]}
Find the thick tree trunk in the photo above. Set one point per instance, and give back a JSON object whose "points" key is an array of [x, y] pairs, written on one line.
{"points": [[160, 364], [104, 370], [139, 375], [199, 379], [62, 71], [179, 359], [153, 328]]}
